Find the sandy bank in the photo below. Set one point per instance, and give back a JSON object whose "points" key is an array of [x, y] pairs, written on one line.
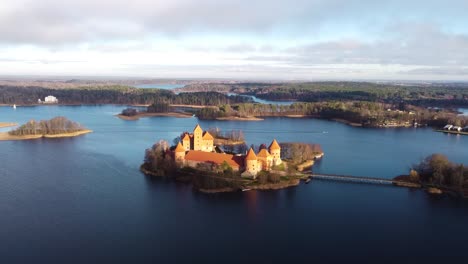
{"points": [[305, 165], [297, 116], [141, 115], [347, 122], [235, 118], [7, 124], [5, 136]]}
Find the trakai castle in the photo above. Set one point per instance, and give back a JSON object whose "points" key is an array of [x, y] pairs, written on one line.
{"points": [[198, 147]]}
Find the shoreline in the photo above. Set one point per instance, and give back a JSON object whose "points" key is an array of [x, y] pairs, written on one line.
{"points": [[236, 118], [142, 115], [7, 124], [343, 121], [452, 132], [7, 137], [263, 187]]}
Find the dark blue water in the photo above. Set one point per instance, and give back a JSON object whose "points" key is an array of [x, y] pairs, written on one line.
{"points": [[83, 200], [159, 86]]}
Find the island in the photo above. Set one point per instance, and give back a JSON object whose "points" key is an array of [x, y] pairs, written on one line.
{"points": [[58, 127], [215, 168], [437, 175], [155, 109]]}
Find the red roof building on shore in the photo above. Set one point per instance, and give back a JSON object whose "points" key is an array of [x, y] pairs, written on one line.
{"points": [[197, 156]]}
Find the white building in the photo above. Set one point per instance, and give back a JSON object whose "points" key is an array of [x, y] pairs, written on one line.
{"points": [[50, 100]]}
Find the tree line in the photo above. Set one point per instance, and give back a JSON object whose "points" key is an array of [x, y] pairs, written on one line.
{"points": [[446, 95], [366, 113], [113, 94]]}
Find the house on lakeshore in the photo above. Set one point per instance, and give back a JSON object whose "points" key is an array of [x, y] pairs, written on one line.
{"points": [[198, 148], [49, 100]]}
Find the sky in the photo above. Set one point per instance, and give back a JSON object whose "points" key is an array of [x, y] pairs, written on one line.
{"points": [[236, 39]]}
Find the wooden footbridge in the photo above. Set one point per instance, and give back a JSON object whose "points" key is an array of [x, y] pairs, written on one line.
{"points": [[354, 179]]}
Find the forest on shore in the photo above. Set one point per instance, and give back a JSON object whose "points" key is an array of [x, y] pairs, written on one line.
{"points": [[113, 94], [434, 94], [372, 114]]}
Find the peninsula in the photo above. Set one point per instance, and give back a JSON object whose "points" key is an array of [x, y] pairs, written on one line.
{"points": [[58, 127], [211, 168]]}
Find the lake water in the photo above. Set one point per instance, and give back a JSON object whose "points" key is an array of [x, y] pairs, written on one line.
{"points": [[464, 111], [262, 101], [83, 200], [159, 86]]}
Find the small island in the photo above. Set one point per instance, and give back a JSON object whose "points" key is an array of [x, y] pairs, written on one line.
{"points": [[437, 175], [213, 168], [58, 127], [155, 109]]}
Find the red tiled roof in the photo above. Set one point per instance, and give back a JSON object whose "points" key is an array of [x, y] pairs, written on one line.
{"points": [[251, 155], [274, 145], [217, 158], [207, 136]]}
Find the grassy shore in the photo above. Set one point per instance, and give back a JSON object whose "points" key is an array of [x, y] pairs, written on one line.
{"points": [[6, 136], [4, 124]]}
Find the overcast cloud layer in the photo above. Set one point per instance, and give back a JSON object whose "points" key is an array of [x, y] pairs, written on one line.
{"points": [[264, 39]]}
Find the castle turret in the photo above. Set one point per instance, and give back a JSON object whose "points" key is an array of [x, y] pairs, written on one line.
{"points": [[197, 137], [179, 153], [275, 151], [207, 142], [186, 142], [251, 163]]}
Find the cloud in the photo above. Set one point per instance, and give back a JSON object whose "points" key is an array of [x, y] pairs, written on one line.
{"points": [[48, 22], [298, 38], [444, 71]]}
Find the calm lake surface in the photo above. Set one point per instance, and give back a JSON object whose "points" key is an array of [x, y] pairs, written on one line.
{"points": [[83, 200]]}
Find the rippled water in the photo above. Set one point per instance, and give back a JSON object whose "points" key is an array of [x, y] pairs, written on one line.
{"points": [[83, 199]]}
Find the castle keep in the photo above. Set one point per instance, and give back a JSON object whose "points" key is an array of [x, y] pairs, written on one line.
{"points": [[198, 148]]}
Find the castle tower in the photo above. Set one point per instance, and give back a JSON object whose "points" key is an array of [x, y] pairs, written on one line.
{"points": [[179, 153], [275, 151], [197, 137], [207, 143], [251, 163], [186, 142], [265, 159]]}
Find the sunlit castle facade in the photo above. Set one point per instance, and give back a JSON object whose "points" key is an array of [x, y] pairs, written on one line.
{"points": [[198, 148]]}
